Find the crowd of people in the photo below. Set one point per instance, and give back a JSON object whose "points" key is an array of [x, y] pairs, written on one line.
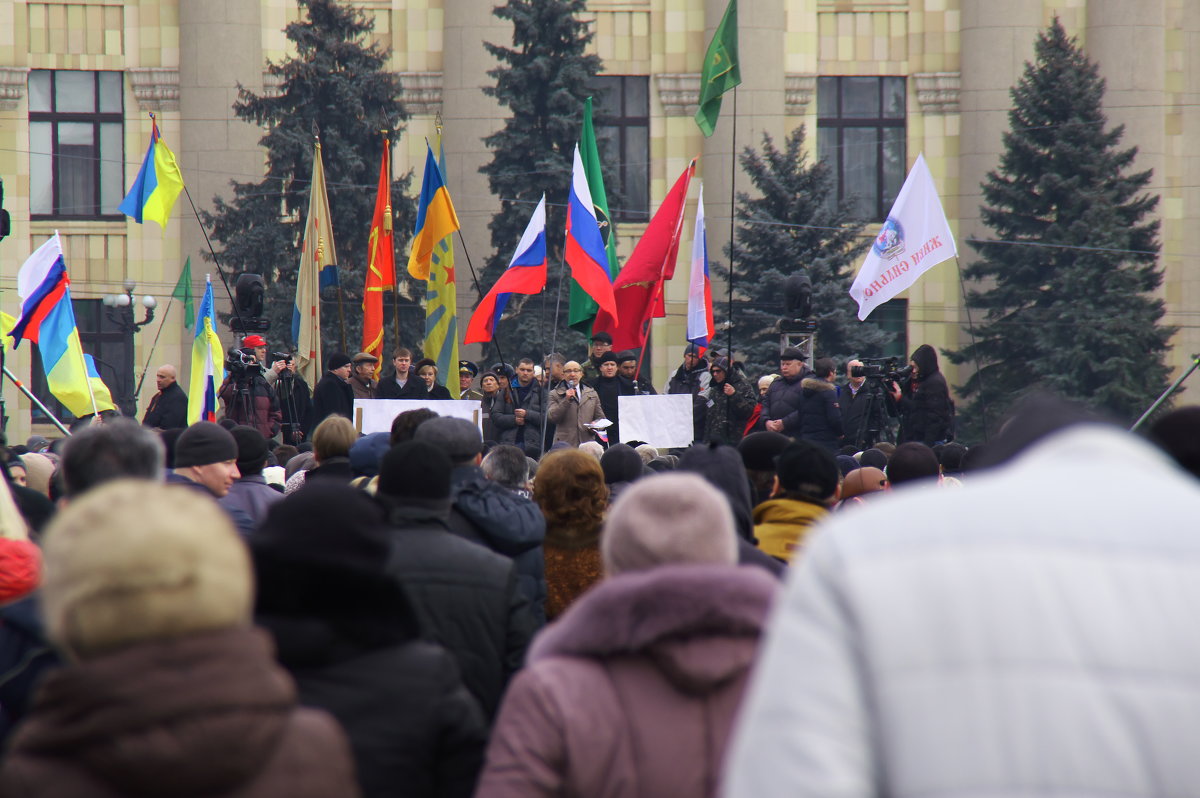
{"points": [[513, 608]]}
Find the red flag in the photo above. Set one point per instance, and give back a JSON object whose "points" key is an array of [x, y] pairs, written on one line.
{"points": [[640, 286], [381, 263]]}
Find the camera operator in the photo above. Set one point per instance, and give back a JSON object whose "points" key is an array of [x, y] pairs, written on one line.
{"points": [[249, 399], [926, 411], [295, 399], [864, 409]]}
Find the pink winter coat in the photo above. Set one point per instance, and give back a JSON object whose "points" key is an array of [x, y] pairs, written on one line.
{"points": [[633, 691]]}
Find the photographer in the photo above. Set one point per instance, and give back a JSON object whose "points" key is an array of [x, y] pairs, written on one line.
{"points": [[926, 412], [249, 399], [295, 399], [865, 409]]}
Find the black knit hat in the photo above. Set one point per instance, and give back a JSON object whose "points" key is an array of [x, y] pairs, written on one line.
{"points": [[204, 443], [759, 449], [252, 449], [807, 469], [336, 360], [609, 357], [415, 469]]}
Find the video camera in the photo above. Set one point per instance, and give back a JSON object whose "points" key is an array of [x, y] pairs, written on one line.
{"points": [[242, 364], [882, 368], [286, 357]]}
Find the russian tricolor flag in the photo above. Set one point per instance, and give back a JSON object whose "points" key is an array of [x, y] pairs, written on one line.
{"points": [[585, 253], [526, 274], [700, 312]]}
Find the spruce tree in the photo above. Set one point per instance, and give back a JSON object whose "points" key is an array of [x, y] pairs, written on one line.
{"points": [[543, 81], [1068, 276], [793, 221], [338, 83]]}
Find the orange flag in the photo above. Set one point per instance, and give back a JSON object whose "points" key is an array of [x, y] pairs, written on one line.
{"points": [[381, 262]]}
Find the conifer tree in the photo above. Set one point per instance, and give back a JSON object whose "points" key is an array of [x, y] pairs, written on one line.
{"points": [[793, 221], [1069, 273], [338, 83], [543, 80]]}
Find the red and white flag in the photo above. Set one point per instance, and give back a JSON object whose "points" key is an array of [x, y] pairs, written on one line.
{"points": [[914, 239]]}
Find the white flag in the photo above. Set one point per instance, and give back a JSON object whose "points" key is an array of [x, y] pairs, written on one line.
{"points": [[914, 239]]}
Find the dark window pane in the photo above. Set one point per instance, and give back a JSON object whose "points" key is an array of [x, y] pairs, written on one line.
{"points": [[892, 317], [893, 98], [860, 98], [827, 97], [41, 164], [893, 164], [606, 99], [860, 169], [39, 90], [637, 171], [75, 92], [827, 151], [110, 92], [637, 96], [112, 168], [76, 169]]}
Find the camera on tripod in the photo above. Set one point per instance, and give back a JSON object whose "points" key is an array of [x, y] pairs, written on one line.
{"points": [[887, 369], [286, 357]]}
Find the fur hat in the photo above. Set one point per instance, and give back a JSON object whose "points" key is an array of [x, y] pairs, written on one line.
{"points": [[133, 561], [759, 449], [609, 357], [668, 519], [203, 443]]}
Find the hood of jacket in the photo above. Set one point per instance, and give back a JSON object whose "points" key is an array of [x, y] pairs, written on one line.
{"points": [[722, 466], [691, 621], [510, 524], [194, 716], [789, 511], [925, 356], [813, 384]]}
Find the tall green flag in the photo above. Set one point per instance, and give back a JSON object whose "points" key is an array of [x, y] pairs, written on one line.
{"points": [[583, 308], [721, 72], [183, 292]]}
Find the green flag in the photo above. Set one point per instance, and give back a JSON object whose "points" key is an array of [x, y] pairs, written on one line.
{"points": [[183, 292], [721, 72], [583, 308]]}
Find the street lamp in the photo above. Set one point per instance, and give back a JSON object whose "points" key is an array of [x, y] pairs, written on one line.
{"points": [[119, 310]]}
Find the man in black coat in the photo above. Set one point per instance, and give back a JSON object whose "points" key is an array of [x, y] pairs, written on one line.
{"points": [[465, 597], [781, 406], [168, 407], [333, 394], [820, 415], [402, 381], [692, 378], [517, 413], [926, 410]]}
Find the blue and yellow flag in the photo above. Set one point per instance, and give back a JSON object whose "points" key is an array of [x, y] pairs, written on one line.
{"points": [[157, 185], [436, 218], [208, 362], [441, 303]]}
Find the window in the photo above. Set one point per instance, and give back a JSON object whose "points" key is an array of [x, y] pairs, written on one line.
{"points": [[101, 336], [622, 119], [892, 317], [860, 134], [76, 157]]}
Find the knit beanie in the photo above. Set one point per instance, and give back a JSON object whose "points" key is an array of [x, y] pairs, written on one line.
{"points": [[609, 357], [204, 443], [458, 438], [620, 463], [337, 360], [759, 449], [251, 450], [668, 519], [875, 458], [415, 470], [132, 561]]}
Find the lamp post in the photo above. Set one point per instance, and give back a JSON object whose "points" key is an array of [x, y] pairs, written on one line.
{"points": [[120, 314]]}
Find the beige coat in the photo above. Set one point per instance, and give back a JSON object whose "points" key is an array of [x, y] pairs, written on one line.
{"points": [[569, 416]]}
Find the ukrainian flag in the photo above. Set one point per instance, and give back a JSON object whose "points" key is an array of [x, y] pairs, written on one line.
{"points": [[157, 185], [48, 319], [436, 218], [208, 362]]}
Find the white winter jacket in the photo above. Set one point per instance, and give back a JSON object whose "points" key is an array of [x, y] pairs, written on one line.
{"points": [[1036, 633]]}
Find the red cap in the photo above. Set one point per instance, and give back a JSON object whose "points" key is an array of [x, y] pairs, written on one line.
{"points": [[254, 340]]}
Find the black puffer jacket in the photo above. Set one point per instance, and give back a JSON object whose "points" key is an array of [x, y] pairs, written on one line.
{"points": [[820, 415], [783, 402], [492, 515], [465, 597], [925, 408]]}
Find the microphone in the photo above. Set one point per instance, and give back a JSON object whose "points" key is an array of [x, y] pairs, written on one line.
{"points": [[571, 387]]}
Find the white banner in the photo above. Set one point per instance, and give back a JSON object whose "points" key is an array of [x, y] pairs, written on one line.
{"points": [[376, 415], [914, 239], [664, 422]]}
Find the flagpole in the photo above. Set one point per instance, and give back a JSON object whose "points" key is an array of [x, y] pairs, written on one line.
{"points": [[479, 292], [41, 406], [971, 327], [213, 252], [732, 219], [137, 391], [342, 318], [562, 273], [395, 271]]}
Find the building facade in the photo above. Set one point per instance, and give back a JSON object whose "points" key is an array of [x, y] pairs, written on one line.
{"points": [[875, 82]]}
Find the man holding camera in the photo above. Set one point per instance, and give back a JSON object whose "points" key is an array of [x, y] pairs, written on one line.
{"points": [[248, 396]]}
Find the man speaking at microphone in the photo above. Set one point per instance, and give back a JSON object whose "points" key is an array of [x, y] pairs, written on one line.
{"points": [[573, 405]]}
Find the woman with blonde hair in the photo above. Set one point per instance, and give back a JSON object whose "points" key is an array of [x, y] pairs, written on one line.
{"points": [[571, 492], [331, 442]]}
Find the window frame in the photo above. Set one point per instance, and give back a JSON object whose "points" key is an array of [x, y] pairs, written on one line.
{"points": [[840, 123], [96, 119], [623, 125]]}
